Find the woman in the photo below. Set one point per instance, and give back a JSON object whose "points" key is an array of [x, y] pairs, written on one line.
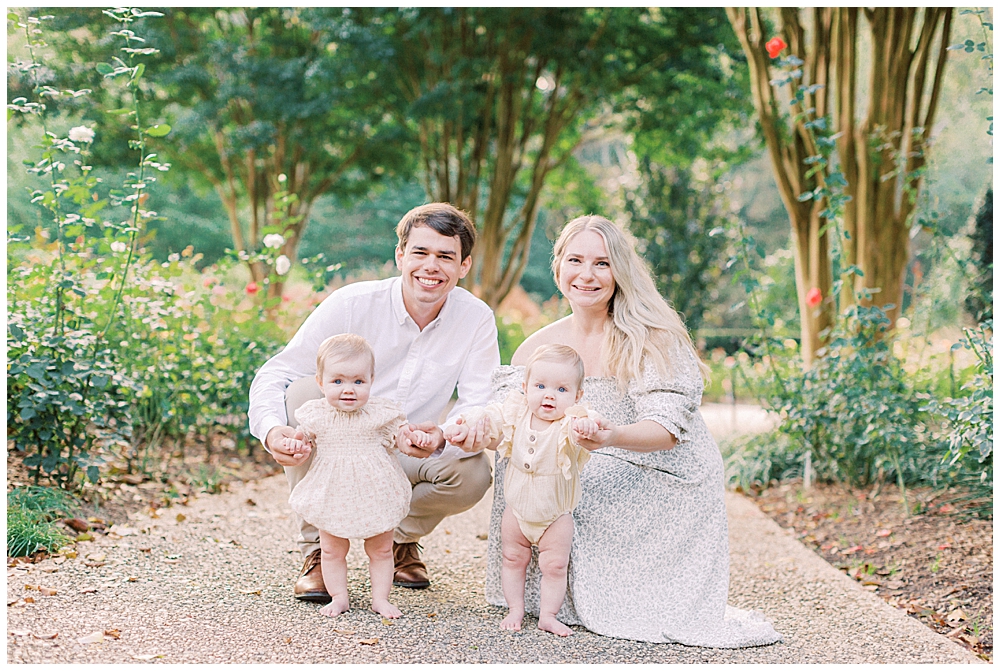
{"points": [[650, 557]]}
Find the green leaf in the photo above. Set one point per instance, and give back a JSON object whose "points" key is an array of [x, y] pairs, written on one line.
{"points": [[120, 110], [139, 69], [11, 16], [105, 69], [159, 130]]}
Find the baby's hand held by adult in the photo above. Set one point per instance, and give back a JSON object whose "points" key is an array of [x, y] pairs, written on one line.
{"points": [[476, 436], [288, 446], [419, 440]]}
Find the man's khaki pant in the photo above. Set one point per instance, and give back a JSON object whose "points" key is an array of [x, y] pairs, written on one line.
{"points": [[442, 486]]}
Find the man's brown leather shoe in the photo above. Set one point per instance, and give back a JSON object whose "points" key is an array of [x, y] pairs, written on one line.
{"points": [[309, 586], [410, 571]]}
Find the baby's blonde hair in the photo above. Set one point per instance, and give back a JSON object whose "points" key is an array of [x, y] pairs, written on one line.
{"points": [[557, 354], [344, 346]]}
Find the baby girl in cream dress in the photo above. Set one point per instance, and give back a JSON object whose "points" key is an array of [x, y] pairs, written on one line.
{"points": [[355, 487], [539, 430]]}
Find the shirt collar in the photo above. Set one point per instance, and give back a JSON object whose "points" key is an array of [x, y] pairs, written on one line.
{"points": [[399, 308]]}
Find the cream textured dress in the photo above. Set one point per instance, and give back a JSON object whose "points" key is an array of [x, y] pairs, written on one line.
{"points": [[543, 478], [650, 555], [355, 487]]}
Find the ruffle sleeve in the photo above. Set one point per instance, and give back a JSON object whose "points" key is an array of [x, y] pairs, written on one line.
{"points": [[308, 416], [511, 411], [671, 400], [387, 416], [569, 451]]}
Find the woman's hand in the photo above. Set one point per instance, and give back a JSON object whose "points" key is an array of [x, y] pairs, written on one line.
{"points": [[602, 436]]}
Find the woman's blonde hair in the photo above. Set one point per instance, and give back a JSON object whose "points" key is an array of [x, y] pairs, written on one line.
{"points": [[559, 354], [642, 322], [344, 346]]}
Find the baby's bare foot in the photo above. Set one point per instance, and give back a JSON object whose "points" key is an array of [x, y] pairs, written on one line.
{"points": [[512, 622], [336, 607], [386, 609], [552, 625]]}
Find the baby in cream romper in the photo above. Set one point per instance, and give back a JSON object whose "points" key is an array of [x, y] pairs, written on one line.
{"points": [[539, 431]]}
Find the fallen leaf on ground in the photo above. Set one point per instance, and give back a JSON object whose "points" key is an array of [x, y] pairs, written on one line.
{"points": [[944, 546], [45, 637], [76, 524], [59, 560], [20, 632], [146, 657], [956, 615], [70, 554], [368, 641], [288, 639], [31, 586], [145, 549], [250, 591], [251, 502], [49, 569], [84, 537], [482, 537], [29, 599], [113, 633], [11, 602], [94, 564], [386, 621], [344, 632], [131, 578], [431, 614], [122, 531], [181, 517], [852, 550], [47, 591], [88, 590], [96, 637], [882, 533], [895, 584]]}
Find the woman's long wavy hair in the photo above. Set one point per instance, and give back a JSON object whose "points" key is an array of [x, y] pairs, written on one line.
{"points": [[642, 322]]}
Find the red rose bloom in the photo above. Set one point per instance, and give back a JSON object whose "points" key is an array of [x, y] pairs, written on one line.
{"points": [[774, 46], [252, 288], [814, 297]]}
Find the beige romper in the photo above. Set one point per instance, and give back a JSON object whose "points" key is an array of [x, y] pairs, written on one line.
{"points": [[543, 474]]}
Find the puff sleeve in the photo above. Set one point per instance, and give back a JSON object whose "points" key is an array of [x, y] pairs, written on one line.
{"points": [[671, 400], [387, 417], [308, 415]]}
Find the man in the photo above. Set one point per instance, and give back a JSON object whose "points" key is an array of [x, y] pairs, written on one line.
{"points": [[429, 337]]}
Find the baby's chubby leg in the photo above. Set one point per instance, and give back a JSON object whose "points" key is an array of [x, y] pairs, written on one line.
{"points": [[516, 554], [553, 560], [333, 559], [380, 568]]}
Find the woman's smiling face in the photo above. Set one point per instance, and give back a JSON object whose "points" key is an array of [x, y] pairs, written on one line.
{"points": [[585, 276]]}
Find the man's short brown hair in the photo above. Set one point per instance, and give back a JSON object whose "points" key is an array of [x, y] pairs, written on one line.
{"points": [[442, 218]]}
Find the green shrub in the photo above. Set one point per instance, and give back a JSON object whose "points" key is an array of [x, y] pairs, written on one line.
{"points": [[30, 515], [754, 462]]}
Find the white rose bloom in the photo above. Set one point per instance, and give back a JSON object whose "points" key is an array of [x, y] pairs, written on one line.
{"points": [[118, 247], [273, 241], [81, 134], [282, 264]]}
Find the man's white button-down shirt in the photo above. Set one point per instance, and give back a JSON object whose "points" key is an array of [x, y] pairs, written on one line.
{"points": [[417, 369]]}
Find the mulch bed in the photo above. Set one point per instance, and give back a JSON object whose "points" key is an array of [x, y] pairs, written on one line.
{"points": [[935, 565]]}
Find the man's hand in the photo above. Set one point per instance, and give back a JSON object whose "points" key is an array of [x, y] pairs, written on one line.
{"points": [[419, 440], [584, 427], [471, 438], [288, 446]]}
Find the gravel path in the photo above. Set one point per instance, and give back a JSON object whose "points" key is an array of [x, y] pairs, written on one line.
{"points": [[211, 582]]}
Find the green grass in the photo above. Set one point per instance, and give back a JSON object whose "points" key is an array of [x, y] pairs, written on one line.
{"points": [[31, 513]]}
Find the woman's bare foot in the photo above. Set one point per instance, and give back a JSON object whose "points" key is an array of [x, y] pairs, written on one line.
{"points": [[385, 609], [336, 607], [513, 621], [552, 625]]}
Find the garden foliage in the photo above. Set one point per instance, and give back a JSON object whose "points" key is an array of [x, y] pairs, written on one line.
{"points": [[108, 350]]}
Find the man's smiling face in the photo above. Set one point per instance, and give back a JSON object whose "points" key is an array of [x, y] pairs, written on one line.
{"points": [[431, 266]]}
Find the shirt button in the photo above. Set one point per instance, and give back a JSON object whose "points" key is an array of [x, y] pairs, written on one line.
{"points": [[531, 438], [531, 450], [527, 466]]}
